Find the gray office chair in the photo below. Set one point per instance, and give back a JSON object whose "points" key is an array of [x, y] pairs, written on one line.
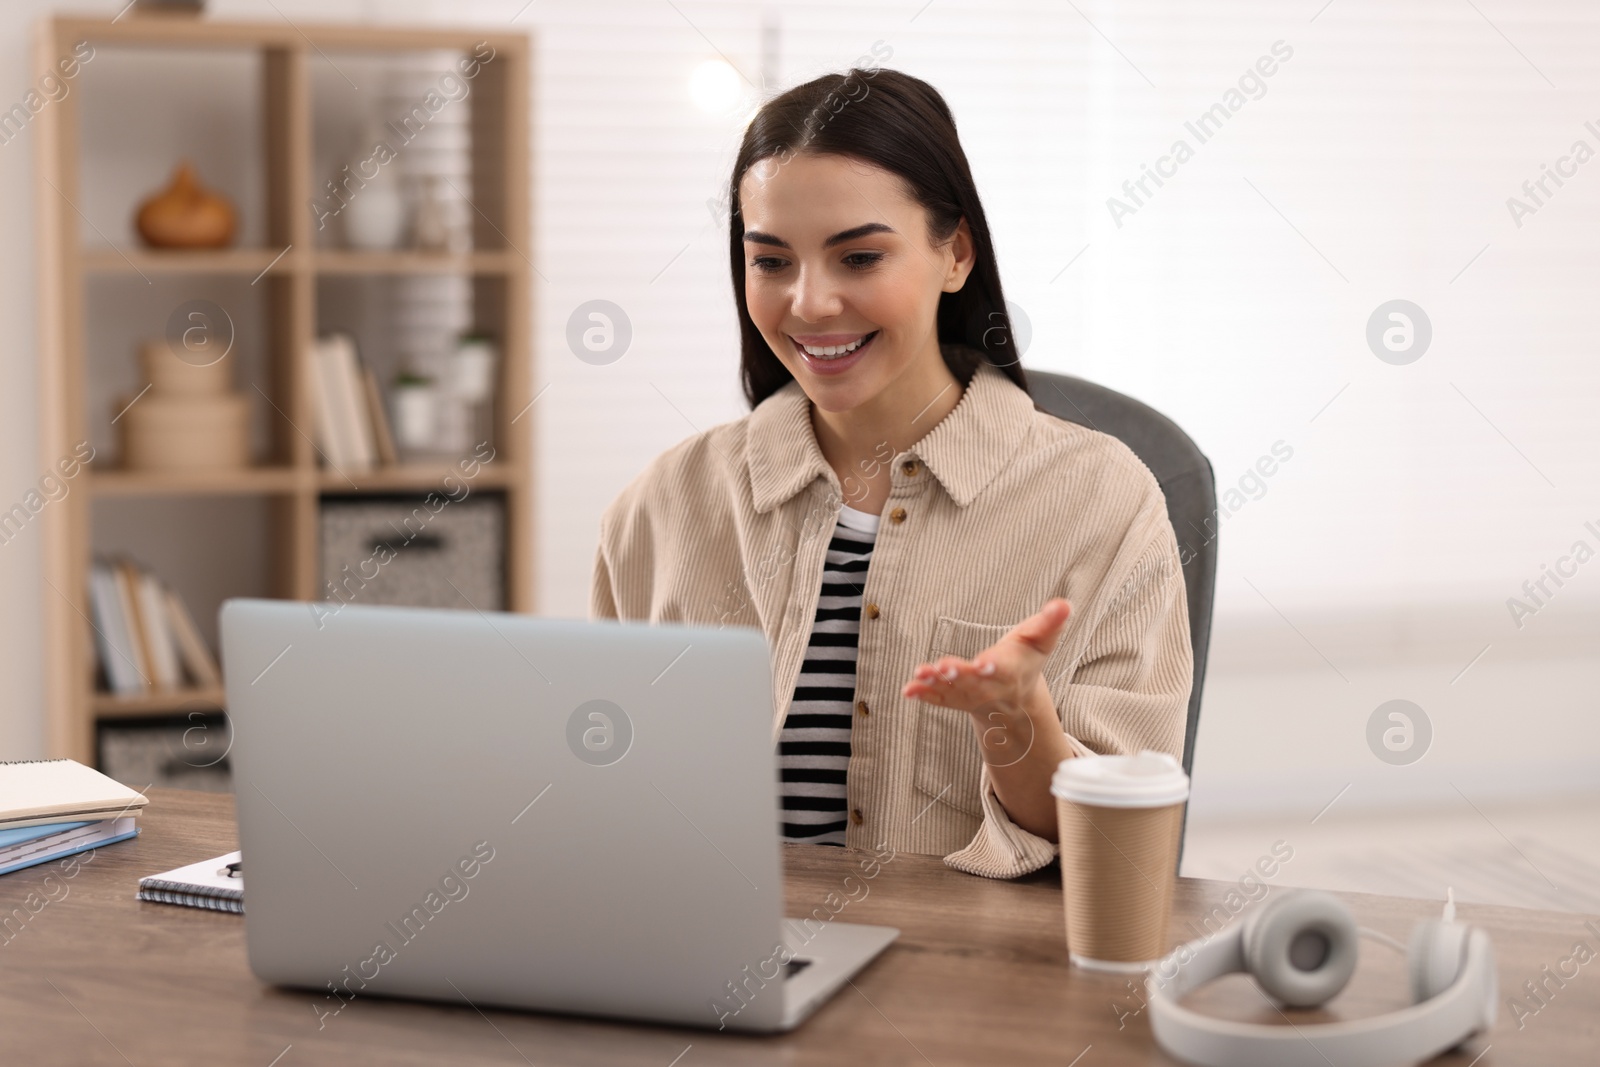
{"points": [[1185, 476]]}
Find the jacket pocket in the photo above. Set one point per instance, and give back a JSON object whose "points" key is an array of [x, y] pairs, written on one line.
{"points": [[948, 763]]}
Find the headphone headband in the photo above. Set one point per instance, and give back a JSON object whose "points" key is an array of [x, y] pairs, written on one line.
{"points": [[1410, 1035]]}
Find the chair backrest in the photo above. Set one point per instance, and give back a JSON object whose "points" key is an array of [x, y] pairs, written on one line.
{"points": [[1186, 479]]}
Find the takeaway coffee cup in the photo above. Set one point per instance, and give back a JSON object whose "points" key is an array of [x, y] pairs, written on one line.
{"points": [[1120, 819]]}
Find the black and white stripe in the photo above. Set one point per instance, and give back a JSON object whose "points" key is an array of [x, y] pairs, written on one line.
{"points": [[814, 747]]}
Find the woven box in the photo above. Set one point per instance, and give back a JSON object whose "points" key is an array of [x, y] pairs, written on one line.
{"points": [[413, 551]]}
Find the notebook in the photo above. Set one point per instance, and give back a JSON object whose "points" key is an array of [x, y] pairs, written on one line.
{"points": [[41, 792], [199, 885], [29, 846]]}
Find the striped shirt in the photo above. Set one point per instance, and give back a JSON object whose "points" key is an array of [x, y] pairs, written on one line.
{"points": [[814, 747]]}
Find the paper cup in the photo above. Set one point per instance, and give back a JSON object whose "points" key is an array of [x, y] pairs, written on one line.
{"points": [[1120, 820]]}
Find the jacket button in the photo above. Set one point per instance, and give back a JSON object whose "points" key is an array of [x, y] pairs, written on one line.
{"points": [[872, 611], [856, 816], [862, 709], [909, 468], [897, 515]]}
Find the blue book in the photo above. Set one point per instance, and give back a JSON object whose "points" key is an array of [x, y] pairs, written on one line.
{"points": [[65, 839], [22, 834]]}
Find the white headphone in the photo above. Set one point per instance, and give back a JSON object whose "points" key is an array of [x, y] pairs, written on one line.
{"points": [[1301, 948]]}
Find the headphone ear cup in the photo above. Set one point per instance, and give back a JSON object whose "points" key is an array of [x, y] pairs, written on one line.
{"points": [[1301, 947], [1437, 953]]}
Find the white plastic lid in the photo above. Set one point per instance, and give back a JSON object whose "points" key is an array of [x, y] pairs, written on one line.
{"points": [[1149, 780]]}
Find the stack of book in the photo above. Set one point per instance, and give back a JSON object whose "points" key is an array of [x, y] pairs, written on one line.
{"points": [[352, 426], [50, 809], [146, 638]]}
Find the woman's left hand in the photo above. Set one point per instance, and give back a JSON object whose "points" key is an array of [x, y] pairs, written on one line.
{"points": [[1005, 675], [1018, 728]]}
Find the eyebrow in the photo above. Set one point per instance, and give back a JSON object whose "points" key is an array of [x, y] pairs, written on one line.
{"points": [[757, 237]]}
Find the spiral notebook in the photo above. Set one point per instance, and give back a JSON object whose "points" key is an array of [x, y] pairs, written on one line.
{"points": [[206, 884], [41, 792]]}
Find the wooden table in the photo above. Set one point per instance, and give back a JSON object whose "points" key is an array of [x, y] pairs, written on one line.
{"points": [[90, 975]]}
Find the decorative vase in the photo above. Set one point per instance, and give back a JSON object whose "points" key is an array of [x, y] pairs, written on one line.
{"points": [[186, 215], [375, 218], [430, 229], [416, 414], [472, 368]]}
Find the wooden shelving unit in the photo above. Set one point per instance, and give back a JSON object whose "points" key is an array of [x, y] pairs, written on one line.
{"points": [[287, 269]]}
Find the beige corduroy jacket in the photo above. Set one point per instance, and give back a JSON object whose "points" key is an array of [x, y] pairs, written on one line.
{"points": [[1001, 507]]}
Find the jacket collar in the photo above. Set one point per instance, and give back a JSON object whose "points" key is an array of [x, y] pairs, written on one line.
{"points": [[968, 447]]}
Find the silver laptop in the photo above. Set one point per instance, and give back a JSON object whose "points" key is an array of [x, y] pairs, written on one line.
{"points": [[495, 809]]}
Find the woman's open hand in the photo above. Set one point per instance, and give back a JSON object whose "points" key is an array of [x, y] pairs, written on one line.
{"points": [[1013, 714], [1005, 675]]}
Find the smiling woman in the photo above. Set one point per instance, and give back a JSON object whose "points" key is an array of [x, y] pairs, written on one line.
{"points": [[911, 708]]}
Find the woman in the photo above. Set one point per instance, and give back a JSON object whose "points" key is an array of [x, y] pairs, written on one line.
{"points": [[958, 589]]}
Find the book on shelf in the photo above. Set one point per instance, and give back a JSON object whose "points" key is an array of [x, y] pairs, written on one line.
{"points": [[352, 427], [164, 669], [112, 640], [197, 658], [145, 637], [383, 437], [128, 604]]}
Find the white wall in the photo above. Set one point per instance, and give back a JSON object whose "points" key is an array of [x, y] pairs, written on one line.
{"points": [[1375, 564]]}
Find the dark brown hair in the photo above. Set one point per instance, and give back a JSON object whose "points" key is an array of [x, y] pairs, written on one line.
{"points": [[901, 124]]}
